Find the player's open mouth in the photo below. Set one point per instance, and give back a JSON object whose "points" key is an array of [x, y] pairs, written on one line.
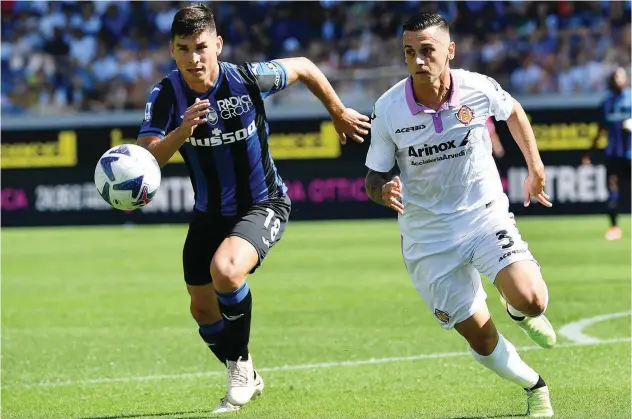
{"points": [[195, 70]]}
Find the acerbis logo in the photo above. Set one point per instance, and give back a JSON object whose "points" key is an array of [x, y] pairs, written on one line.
{"points": [[427, 150], [220, 138], [277, 75], [410, 129], [234, 106], [512, 252]]}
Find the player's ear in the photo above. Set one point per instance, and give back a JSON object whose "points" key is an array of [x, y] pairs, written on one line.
{"points": [[220, 44], [171, 49], [451, 50]]}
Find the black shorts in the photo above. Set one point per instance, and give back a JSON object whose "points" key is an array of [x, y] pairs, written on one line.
{"points": [[619, 166], [262, 225]]}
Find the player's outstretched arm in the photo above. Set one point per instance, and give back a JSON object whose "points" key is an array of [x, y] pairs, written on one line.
{"points": [[347, 122], [164, 149], [522, 132], [383, 191]]}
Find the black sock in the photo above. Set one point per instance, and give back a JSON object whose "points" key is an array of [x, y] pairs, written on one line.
{"points": [[215, 337], [236, 308], [537, 385], [613, 204]]}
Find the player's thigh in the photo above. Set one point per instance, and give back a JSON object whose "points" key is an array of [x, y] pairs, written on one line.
{"points": [[612, 175], [497, 245], [500, 253], [450, 287], [263, 226], [204, 237]]}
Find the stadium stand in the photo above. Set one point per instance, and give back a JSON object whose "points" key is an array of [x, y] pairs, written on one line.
{"points": [[62, 57]]}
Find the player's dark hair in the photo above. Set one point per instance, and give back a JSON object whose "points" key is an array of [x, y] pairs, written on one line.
{"points": [[423, 21], [612, 85], [192, 19]]}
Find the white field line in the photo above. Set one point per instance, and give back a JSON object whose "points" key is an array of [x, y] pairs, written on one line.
{"points": [[574, 331], [292, 367]]}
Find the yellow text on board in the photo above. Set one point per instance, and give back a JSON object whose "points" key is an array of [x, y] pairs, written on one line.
{"points": [[60, 153], [323, 144], [312, 145], [568, 136]]}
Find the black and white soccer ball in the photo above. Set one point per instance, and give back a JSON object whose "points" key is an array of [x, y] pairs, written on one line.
{"points": [[127, 177]]}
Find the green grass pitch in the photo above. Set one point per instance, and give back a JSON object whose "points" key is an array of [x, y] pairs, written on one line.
{"points": [[95, 325]]}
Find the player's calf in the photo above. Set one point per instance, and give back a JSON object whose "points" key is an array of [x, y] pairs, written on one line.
{"points": [[492, 350], [232, 262], [215, 338], [205, 310]]}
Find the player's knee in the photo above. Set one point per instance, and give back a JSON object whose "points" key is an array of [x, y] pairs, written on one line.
{"points": [[226, 273], [533, 305], [484, 343]]}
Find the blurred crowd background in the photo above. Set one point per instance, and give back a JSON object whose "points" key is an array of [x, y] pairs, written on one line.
{"points": [[67, 56]]}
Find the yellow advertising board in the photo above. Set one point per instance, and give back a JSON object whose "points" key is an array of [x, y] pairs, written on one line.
{"points": [[60, 153], [567, 136]]}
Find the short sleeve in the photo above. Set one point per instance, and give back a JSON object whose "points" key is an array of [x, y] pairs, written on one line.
{"points": [[381, 154], [501, 102], [270, 76], [158, 111]]}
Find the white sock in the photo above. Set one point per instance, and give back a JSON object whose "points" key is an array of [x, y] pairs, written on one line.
{"points": [[506, 362], [515, 312]]}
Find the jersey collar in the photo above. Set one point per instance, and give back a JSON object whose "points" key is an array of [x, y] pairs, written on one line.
{"points": [[452, 102]]}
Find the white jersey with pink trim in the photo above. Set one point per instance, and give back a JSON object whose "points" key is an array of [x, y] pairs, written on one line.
{"points": [[445, 156]]}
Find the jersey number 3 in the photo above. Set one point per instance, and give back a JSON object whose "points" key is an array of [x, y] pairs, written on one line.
{"points": [[502, 235]]}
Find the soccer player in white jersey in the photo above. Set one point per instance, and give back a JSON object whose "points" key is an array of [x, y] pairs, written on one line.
{"points": [[453, 215]]}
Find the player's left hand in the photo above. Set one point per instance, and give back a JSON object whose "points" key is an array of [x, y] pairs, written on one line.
{"points": [[351, 123], [534, 187]]}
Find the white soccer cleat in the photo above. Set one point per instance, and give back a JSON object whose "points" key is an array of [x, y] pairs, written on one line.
{"points": [[539, 329], [243, 382], [539, 403], [225, 407]]}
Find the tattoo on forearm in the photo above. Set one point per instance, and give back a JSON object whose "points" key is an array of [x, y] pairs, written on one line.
{"points": [[373, 184]]}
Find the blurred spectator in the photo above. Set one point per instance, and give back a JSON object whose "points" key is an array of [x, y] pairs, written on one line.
{"points": [[71, 56]]}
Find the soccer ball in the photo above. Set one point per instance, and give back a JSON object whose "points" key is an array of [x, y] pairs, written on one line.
{"points": [[127, 177]]}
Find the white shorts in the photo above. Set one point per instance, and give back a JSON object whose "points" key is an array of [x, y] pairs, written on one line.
{"points": [[447, 274]]}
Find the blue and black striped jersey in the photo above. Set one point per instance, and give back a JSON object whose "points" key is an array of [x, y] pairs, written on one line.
{"points": [[616, 109], [228, 157]]}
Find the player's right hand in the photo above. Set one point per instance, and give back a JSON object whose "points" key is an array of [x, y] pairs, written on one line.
{"points": [[392, 195], [195, 115]]}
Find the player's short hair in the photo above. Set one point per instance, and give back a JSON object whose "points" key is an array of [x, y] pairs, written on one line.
{"points": [[192, 19], [611, 83], [422, 21]]}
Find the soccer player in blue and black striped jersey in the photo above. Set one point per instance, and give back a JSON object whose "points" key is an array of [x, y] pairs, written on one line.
{"points": [[616, 121], [212, 112]]}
